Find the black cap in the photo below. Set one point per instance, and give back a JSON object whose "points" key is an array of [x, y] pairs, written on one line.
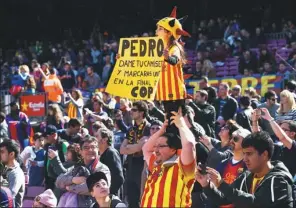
{"points": [[94, 178], [12, 104], [50, 129]]}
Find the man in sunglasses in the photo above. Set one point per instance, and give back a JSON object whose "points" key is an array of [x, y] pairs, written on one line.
{"points": [[132, 147], [272, 106], [54, 143]]}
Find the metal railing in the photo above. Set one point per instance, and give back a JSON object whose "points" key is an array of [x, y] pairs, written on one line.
{"points": [[5, 100]]}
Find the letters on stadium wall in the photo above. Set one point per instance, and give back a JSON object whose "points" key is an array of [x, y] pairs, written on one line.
{"points": [[261, 83], [33, 105], [137, 71]]}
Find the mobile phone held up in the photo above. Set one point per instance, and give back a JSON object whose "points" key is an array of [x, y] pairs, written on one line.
{"points": [[203, 168], [52, 147]]}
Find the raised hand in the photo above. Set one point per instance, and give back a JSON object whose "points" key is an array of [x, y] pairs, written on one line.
{"points": [[266, 115], [177, 118]]}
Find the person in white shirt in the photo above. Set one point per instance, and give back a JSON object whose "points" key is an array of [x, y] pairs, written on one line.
{"points": [[33, 157]]}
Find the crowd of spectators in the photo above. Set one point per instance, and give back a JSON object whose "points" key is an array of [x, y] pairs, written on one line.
{"points": [[220, 39], [96, 150]]}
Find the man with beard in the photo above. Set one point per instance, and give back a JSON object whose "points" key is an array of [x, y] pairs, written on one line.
{"points": [[9, 152], [19, 127], [92, 78]]}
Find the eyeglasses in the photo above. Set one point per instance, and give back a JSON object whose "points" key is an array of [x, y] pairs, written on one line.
{"points": [[160, 146], [286, 130], [135, 110], [90, 147]]}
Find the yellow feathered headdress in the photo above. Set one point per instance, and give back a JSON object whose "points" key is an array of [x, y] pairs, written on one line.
{"points": [[174, 25]]}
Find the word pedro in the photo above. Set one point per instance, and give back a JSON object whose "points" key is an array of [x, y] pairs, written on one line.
{"points": [[142, 48], [262, 84]]}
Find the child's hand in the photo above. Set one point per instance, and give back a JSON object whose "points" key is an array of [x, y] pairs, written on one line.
{"points": [[166, 54]]}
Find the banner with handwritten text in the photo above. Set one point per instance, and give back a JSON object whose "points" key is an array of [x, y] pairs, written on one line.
{"points": [[137, 70]]}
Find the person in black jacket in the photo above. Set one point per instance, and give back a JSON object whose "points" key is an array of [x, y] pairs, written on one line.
{"points": [[266, 184], [111, 158], [199, 199], [243, 118], [212, 92], [226, 106], [54, 142], [205, 113], [155, 112]]}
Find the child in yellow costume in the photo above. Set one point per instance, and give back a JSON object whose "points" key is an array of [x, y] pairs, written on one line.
{"points": [[171, 88]]}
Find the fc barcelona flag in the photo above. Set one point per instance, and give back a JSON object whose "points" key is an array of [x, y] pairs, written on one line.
{"points": [[20, 130]]}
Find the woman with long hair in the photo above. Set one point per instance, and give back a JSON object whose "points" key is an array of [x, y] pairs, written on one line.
{"points": [[55, 116], [18, 80], [30, 86], [287, 110], [74, 104], [171, 88]]}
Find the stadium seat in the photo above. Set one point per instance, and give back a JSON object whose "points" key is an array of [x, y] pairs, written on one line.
{"points": [[33, 191], [28, 203], [221, 73]]}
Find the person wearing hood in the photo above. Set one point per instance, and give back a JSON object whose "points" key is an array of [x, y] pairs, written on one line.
{"points": [[265, 184]]}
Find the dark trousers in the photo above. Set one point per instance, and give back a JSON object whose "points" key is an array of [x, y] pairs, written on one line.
{"points": [[170, 106], [133, 181], [199, 200]]}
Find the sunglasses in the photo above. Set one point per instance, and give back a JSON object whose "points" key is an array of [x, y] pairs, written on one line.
{"points": [[225, 128]]}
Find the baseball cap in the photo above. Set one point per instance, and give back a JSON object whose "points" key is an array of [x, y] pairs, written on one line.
{"points": [[94, 178], [12, 104], [47, 198], [50, 129]]}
